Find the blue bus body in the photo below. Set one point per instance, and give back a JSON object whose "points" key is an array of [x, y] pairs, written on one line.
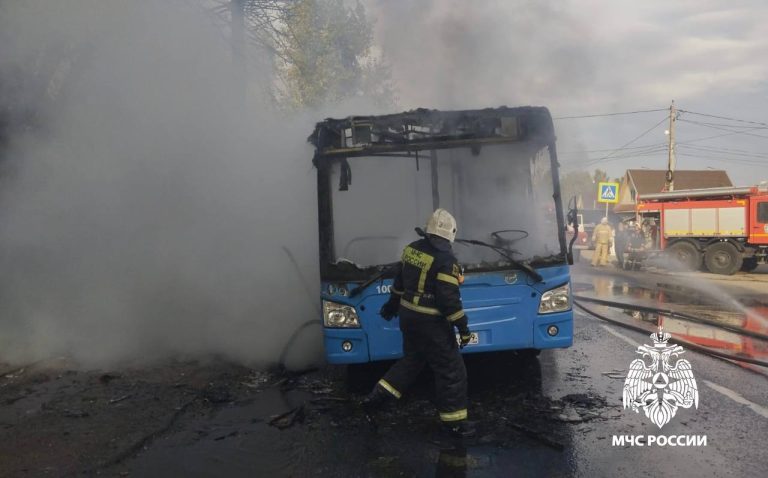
{"points": [[501, 299], [504, 316]]}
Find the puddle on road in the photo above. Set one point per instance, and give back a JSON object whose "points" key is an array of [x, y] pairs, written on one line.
{"points": [[744, 313]]}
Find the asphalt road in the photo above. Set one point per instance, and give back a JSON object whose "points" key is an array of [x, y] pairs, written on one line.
{"points": [[555, 415], [524, 428], [732, 412], [552, 416]]}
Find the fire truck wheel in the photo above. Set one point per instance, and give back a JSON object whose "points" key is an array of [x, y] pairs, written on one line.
{"points": [[685, 254], [750, 264], [723, 258]]}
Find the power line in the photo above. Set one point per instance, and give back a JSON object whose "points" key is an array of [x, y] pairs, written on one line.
{"points": [[628, 143], [611, 149], [723, 129], [705, 138], [726, 125], [721, 159], [748, 157], [600, 115], [738, 152], [723, 118], [730, 150], [629, 154]]}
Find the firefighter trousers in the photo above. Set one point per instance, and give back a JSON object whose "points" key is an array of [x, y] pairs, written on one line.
{"points": [[602, 250], [430, 340]]}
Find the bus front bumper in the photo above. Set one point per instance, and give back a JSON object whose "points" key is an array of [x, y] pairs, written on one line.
{"points": [[563, 321], [344, 346]]}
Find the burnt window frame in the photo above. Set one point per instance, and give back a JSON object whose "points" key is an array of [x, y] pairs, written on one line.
{"points": [[329, 138]]}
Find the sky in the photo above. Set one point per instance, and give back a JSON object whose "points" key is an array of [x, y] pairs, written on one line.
{"points": [[595, 56]]}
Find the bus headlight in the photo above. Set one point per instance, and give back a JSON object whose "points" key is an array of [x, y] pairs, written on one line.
{"points": [[339, 315], [555, 300]]}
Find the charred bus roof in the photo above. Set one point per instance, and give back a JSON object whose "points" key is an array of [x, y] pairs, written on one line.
{"points": [[424, 129]]}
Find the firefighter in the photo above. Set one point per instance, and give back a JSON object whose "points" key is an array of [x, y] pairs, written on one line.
{"points": [[426, 296], [602, 237], [620, 242], [636, 246]]}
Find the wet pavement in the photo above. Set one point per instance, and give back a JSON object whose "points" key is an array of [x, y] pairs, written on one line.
{"points": [[733, 322], [554, 415]]}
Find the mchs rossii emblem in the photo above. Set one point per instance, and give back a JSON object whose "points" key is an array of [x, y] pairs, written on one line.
{"points": [[657, 385]]}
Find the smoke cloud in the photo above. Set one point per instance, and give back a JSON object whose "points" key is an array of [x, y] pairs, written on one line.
{"points": [[148, 214], [589, 56], [455, 54]]}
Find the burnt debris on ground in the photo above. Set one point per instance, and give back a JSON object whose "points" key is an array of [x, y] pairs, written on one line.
{"points": [[102, 420]]}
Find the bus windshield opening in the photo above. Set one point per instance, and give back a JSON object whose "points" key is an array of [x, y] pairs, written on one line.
{"points": [[500, 194]]}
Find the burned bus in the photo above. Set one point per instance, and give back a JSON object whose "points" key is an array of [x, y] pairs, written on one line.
{"points": [[378, 180]]}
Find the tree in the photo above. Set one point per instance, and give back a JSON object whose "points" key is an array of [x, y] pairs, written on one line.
{"points": [[577, 184], [321, 51], [600, 176], [327, 48]]}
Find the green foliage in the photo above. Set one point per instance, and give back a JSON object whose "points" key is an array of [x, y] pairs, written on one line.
{"points": [[322, 52]]}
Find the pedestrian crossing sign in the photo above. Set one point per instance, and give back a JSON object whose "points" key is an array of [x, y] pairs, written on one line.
{"points": [[608, 192]]}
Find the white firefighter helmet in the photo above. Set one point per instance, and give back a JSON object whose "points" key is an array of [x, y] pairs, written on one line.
{"points": [[442, 224]]}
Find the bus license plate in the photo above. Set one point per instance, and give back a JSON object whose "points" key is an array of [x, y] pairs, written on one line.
{"points": [[473, 340]]}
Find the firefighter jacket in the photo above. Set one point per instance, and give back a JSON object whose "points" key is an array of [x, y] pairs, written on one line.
{"points": [[602, 234], [428, 280]]}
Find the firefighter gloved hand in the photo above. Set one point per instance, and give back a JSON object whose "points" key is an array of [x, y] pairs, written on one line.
{"points": [[464, 338], [389, 310], [464, 334]]}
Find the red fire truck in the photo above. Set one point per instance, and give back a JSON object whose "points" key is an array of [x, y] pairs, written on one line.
{"points": [[726, 229]]}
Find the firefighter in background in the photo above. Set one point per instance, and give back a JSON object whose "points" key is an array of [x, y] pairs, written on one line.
{"points": [[653, 233], [636, 246], [602, 236], [426, 296], [620, 242]]}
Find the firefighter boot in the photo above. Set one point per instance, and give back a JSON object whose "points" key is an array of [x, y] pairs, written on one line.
{"points": [[459, 429], [375, 401]]}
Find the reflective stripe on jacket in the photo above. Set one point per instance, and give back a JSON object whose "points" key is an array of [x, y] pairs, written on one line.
{"points": [[428, 280]]}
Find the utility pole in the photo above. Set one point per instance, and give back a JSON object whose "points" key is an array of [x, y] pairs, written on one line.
{"points": [[670, 185]]}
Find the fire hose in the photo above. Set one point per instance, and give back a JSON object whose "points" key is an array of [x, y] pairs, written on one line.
{"points": [[672, 314], [690, 345]]}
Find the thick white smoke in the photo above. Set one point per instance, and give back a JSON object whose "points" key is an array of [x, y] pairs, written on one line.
{"points": [[457, 54], [147, 214]]}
